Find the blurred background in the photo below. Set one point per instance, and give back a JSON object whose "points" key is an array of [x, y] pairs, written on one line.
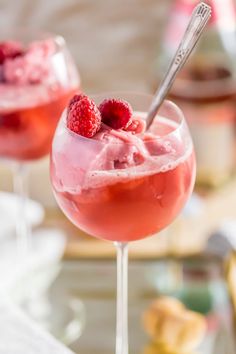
{"points": [[127, 45]]}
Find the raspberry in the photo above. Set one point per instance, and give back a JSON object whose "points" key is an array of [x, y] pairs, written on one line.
{"points": [[116, 113], [84, 118], [75, 98], [1, 74], [10, 49], [136, 126]]}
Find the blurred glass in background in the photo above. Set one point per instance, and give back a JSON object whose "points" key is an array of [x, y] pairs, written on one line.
{"points": [[206, 88]]}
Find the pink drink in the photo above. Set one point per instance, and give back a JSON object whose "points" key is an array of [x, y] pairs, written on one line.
{"points": [[120, 186], [28, 124], [118, 181], [37, 80]]}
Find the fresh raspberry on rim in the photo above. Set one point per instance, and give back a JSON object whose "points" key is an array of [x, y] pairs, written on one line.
{"points": [[84, 118], [10, 50], [75, 98], [116, 113]]}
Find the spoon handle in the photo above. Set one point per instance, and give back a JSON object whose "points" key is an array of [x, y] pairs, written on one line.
{"points": [[198, 21]]}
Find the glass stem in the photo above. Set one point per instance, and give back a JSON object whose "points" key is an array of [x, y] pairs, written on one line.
{"points": [[122, 299], [23, 232]]}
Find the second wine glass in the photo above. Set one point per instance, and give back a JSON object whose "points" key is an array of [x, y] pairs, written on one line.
{"points": [[37, 78]]}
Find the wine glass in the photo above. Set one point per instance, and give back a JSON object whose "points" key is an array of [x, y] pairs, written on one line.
{"points": [[37, 78], [124, 190]]}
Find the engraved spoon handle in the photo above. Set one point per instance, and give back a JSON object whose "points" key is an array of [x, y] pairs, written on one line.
{"points": [[198, 21]]}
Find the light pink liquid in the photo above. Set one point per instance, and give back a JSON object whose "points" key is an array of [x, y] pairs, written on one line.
{"points": [[26, 131], [116, 203]]}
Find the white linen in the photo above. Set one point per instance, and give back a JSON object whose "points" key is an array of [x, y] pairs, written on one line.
{"points": [[20, 335]]}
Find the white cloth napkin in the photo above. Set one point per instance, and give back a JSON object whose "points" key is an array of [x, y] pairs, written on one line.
{"points": [[20, 276], [9, 209], [20, 335]]}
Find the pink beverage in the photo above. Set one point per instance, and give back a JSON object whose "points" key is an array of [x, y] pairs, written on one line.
{"points": [[36, 83], [119, 181], [26, 129], [122, 185]]}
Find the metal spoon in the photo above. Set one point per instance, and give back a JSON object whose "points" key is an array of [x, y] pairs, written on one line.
{"points": [[200, 16]]}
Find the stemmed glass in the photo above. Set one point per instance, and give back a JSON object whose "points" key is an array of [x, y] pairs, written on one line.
{"points": [[124, 190], [37, 78]]}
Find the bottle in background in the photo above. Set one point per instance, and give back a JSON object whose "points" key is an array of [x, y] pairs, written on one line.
{"points": [[206, 87]]}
